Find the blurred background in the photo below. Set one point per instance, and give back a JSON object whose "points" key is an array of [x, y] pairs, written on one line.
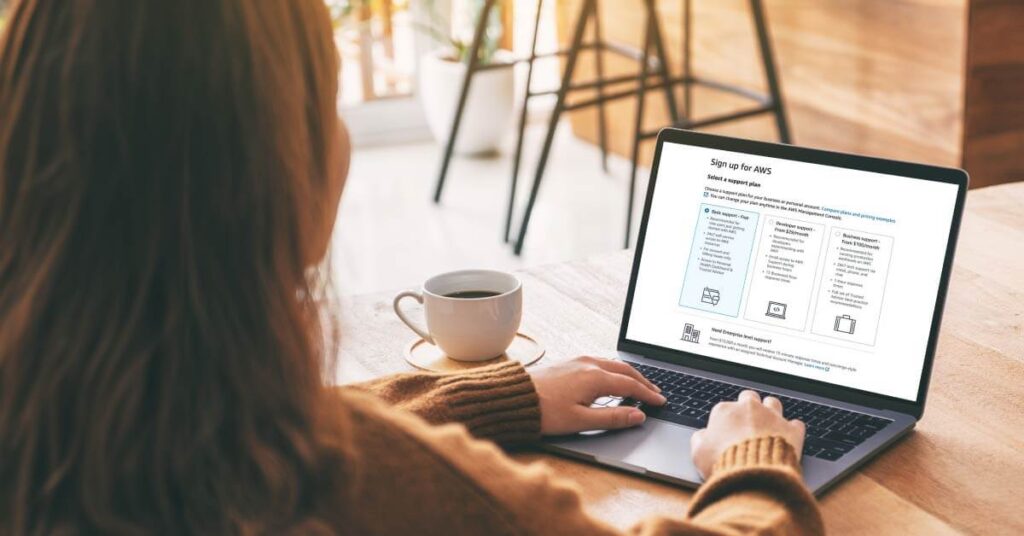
{"points": [[937, 81]]}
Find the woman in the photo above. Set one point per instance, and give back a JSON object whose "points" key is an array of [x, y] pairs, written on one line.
{"points": [[169, 172]]}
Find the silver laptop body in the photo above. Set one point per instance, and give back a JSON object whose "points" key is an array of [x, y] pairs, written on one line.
{"points": [[660, 448]]}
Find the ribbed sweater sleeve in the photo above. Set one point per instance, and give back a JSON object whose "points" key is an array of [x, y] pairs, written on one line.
{"points": [[497, 403], [761, 471]]}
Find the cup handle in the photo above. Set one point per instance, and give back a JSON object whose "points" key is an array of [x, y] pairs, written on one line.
{"points": [[398, 311]]}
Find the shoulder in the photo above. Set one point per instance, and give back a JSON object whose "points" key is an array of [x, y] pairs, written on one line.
{"points": [[417, 478], [407, 474], [387, 437]]}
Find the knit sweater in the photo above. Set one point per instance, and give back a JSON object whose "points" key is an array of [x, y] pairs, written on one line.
{"points": [[424, 448]]}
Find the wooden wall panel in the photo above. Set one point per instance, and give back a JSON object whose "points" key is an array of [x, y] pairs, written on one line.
{"points": [[994, 105], [880, 77]]}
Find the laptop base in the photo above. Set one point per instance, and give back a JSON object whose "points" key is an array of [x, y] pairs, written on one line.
{"points": [[660, 450]]}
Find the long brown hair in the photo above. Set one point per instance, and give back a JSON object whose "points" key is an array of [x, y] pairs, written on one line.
{"points": [[164, 169]]}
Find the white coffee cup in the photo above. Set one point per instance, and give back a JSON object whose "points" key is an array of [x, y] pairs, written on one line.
{"points": [[468, 328]]}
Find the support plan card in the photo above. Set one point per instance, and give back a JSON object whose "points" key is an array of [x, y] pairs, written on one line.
{"points": [[717, 269]]}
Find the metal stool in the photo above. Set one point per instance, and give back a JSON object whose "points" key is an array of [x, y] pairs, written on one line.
{"points": [[588, 13], [770, 103]]}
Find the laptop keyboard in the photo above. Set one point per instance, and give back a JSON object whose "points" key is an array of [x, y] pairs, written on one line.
{"points": [[831, 431]]}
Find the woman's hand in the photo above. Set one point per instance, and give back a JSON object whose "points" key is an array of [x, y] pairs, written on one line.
{"points": [[733, 422], [567, 389]]}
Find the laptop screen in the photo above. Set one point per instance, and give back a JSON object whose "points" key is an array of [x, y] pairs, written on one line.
{"points": [[825, 273]]}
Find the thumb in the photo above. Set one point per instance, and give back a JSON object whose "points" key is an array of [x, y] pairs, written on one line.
{"points": [[609, 418], [696, 439]]}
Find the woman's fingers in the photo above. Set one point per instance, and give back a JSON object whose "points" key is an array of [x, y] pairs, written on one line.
{"points": [[748, 395], [620, 367], [609, 418], [626, 387], [773, 404]]}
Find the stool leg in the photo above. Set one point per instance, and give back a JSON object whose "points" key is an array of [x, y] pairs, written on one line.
{"points": [[638, 128], [471, 67], [586, 11], [602, 119], [659, 50], [687, 66], [771, 74], [517, 159]]}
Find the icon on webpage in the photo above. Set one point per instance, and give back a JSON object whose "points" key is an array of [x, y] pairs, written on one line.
{"points": [[690, 334], [710, 296], [776, 310], [845, 324]]}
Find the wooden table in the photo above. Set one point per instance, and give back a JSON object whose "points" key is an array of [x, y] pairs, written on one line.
{"points": [[961, 471]]}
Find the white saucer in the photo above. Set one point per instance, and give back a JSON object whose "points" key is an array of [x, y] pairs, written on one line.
{"points": [[424, 355]]}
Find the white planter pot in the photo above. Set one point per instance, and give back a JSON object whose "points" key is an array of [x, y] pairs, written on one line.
{"points": [[489, 107]]}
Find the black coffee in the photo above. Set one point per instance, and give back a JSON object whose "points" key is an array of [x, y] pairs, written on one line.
{"points": [[471, 294]]}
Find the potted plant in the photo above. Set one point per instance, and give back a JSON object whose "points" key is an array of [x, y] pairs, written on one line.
{"points": [[491, 101]]}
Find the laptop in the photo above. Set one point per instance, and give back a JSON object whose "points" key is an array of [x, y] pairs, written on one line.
{"points": [[812, 276]]}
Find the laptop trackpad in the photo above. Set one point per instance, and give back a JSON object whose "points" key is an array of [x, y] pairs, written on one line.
{"points": [[655, 447]]}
